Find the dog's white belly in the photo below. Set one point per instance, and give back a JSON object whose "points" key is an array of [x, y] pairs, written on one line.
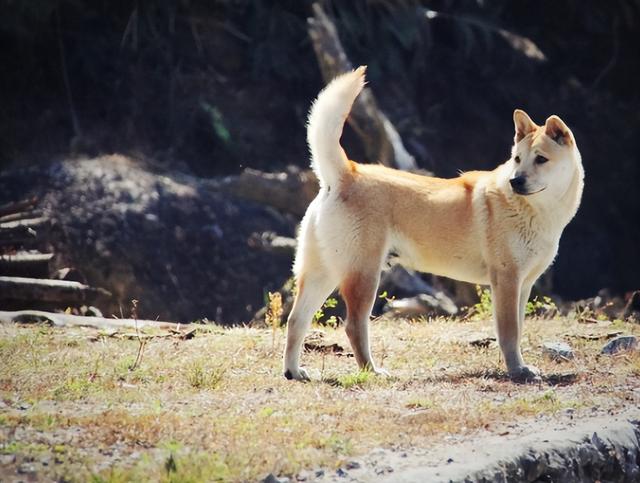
{"points": [[459, 263]]}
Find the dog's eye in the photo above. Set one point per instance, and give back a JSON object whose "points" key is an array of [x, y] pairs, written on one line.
{"points": [[541, 159], [517, 159]]}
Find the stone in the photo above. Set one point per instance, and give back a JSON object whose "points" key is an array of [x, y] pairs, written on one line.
{"points": [[271, 478], [422, 304], [7, 459], [26, 468], [352, 465], [558, 351], [619, 344], [341, 473]]}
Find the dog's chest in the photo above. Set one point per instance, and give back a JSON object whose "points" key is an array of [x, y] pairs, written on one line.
{"points": [[534, 244]]}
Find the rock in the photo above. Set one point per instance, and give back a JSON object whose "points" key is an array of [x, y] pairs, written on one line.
{"points": [[602, 449], [422, 304], [303, 475], [621, 343], [414, 296], [352, 465], [480, 340], [558, 351], [90, 311], [341, 473], [381, 470], [7, 459], [27, 468], [271, 478]]}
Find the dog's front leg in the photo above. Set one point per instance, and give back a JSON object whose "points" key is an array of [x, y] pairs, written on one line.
{"points": [[508, 294]]}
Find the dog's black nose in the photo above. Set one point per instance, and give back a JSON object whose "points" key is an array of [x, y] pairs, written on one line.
{"points": [[518, 183]]}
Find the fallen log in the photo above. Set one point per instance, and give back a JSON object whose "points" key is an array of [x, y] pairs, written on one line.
{"points": [[21, 215], [380, 139], [290, 191], [68, 320], [270, 242], [20, 231], [25, 264], [22, 288], [16, 206]]}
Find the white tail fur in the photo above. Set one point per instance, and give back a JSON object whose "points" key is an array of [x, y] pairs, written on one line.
{"points": [[326, 120]]}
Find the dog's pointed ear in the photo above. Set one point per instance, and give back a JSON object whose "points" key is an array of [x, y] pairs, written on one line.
{"points": [[557, 130], [523, 123]]}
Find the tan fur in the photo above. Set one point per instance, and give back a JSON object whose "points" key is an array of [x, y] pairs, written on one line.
{"points": [[474, 228]]}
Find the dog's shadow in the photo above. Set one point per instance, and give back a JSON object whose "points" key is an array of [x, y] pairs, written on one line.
{"points": [[549, 379], [553, 379]]}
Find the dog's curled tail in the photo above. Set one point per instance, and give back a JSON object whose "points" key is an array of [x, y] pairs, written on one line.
{"points": [[326, 120]]}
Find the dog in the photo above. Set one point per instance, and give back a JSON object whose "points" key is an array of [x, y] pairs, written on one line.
{"points": [[499, 228]]}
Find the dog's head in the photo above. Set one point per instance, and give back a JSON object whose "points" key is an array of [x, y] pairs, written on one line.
{"points": [[544, 159]]}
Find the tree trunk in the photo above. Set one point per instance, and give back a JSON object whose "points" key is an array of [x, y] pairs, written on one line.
{"points": [[379, 137]]}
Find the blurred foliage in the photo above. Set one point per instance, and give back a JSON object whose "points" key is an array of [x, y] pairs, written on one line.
{"points": [[213, 86]]}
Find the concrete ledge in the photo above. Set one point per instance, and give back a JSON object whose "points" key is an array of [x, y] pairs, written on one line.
{"points": [[606, 449]]}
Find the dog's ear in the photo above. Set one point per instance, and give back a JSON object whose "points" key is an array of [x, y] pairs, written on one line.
{"points": [[557, 130], [523, 123]]}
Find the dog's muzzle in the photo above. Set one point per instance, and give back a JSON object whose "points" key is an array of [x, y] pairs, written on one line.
{"points": [[518, 184]]}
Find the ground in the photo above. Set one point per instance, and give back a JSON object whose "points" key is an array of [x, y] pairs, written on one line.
{"points": [[80, 405]]}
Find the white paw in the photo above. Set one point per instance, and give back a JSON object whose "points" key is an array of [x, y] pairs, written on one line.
{"points": [[381, 372], [299, 374]]}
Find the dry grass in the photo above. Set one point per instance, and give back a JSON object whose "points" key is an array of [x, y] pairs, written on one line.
{"points": [[217, 406]]}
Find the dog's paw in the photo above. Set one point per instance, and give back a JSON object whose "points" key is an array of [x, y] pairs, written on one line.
{"points": [[381, 372], [525, 374], [299, 374]]}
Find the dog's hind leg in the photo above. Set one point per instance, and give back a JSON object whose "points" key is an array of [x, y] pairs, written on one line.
{"points": [[313, 289], [359, 292]]}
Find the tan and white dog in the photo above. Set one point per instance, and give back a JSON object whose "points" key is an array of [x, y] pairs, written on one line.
{"points": [[499, 227]]}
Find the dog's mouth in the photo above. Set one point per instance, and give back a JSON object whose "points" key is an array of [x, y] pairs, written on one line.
{"points": [[525, 192]]}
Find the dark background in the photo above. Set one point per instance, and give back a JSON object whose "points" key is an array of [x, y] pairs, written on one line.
{"points": [[211, 87]]}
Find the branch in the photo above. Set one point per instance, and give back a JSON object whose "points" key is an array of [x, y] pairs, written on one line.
{"points": [[67, 320], [22, 288], [379, 137]]}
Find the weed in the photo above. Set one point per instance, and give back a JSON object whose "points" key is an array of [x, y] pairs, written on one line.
{"points": [[338, 444], [331, 303], [142, 342], [482, 310], [539, 306], [385, 296], [420, 404], [547, 402], [274, 315], [357, 379], [217, 122], [266, 412], [200, 377]]}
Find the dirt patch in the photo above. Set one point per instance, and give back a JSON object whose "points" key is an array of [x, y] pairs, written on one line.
{"points": [[172, 241]]}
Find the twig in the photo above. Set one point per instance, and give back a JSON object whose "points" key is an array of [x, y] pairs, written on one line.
{"points": [[142, 341], [65, 75]]}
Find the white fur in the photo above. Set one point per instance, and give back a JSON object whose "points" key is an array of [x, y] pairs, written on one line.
{"points": [[325, 124]]}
